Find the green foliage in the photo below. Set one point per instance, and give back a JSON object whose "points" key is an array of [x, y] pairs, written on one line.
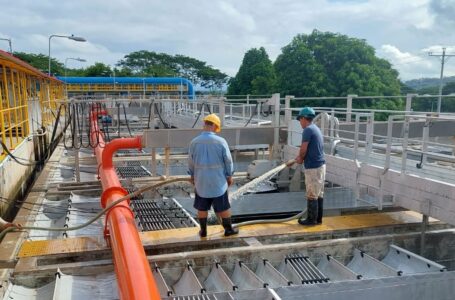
{"points": [[430, 86], [329, 64], [75, 72], [430, 90], [298, 71], [405, 89], [124, 72], [449, 88], [149, 63], [448, 103], [321, 64], [427, 82], [210, 78], [98, 70], [41, 62], [255, 75], [429, 104], [141, 63]]}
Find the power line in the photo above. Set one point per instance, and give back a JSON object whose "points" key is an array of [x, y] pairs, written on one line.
{"points": [[443, 57]]}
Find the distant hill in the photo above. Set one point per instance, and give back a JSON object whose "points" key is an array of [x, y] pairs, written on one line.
{"points": [[421, 83]]}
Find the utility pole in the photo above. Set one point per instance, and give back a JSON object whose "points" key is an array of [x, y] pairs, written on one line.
{"points": [[444, 57]]}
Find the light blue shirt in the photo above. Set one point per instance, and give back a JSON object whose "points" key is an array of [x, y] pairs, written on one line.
{"points": [[210, 162]]}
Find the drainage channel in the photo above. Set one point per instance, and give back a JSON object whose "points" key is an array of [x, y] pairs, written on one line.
{"points": [[211, 281]]}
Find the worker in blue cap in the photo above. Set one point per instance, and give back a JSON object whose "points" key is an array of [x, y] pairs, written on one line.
{"points": [[311, 154]]}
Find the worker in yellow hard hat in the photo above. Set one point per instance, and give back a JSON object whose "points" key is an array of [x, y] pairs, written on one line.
{"points": [[213, 119], [210, 166]]}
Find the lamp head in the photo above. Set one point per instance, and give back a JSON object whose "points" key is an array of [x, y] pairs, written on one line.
{"points": [[77, 38]]}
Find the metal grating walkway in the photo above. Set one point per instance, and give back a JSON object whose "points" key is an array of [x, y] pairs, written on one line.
{"points": [[133, 171], [154, 215]]}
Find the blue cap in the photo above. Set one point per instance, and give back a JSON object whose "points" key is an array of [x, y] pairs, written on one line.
{"points": [[306, 112]]}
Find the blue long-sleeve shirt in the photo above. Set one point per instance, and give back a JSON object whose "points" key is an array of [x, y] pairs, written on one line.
{"points": [[210, 162]]}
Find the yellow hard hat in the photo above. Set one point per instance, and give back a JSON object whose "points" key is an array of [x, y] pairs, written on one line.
{"points": [[212, 118]]}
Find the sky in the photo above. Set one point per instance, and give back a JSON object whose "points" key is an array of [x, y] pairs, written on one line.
{"points": [[219, 32]]}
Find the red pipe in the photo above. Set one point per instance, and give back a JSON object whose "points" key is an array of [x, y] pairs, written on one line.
{"points": [[134, 276]]}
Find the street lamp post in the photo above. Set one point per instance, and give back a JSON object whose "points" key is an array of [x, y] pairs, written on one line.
{"points": [[9, 42], [66, 69], [71, 37]]}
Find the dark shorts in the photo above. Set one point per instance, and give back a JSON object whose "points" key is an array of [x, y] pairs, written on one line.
{"points": [[220, 203]]}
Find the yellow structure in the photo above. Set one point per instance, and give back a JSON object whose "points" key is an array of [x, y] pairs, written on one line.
{"points": [[27, 99], [122, 87]]}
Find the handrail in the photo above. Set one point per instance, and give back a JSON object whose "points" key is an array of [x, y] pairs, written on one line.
{"points": [[132, 268]]}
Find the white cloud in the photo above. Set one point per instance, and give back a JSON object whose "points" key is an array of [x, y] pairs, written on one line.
{"points": [[437, 49], [397, 57], [408, 64], [244, 20], [415, 65], [221, 31]]}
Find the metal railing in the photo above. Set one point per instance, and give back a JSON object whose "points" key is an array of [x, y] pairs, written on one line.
{"points": [[27, 101], [359, 128]]}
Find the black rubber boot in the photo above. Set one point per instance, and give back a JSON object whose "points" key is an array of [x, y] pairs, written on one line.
{"points": [[312, 209], [228, 229], [320, 210], [203, 224]]}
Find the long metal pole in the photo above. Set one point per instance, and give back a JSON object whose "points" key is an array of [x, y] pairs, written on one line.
{"points": [[77, 162], [71, 37], [49, 67], [66, 83], [441, 79], [9, 42], [443, 56]]}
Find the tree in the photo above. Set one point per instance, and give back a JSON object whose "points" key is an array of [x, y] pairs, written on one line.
{"points": [[449, 88], [140, 64], [149, 63], [330, 64], [448, 103], [211, 78], [255, 75], [430, 103], [75, 72], [41, 62], [298, 71], [406, 89], [123, 72], [98, 70]]}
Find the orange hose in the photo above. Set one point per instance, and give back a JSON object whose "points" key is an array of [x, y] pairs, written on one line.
{"points": [[135, 279]]}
